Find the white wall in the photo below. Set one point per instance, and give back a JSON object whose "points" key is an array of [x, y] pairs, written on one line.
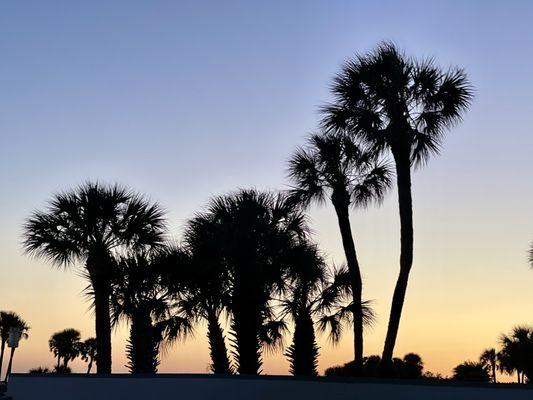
{"points": [[198, 387]]}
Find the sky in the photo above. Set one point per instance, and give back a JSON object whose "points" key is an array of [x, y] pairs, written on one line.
{"points": [[186, 100]]}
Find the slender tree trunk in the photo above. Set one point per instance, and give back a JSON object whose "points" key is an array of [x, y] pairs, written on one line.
{"points": [[343, 217], [103, 326], [10, 363], [89, 367], [2, 356], [493, 365], [403, 176], [220, 363], [58, 362]]}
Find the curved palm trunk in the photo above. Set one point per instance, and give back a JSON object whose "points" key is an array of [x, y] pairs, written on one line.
{"points": [[303, 352], [90, 366], [143, 347], [10, 363], [2, 350], [220, 363], [405, 203], [343, 217]]}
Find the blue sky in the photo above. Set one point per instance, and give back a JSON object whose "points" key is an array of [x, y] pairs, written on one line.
{"points": [[185, 100]]}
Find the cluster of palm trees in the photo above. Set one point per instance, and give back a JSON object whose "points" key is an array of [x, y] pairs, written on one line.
{"points": [[67, 345], [248, 258], [9, 321], [515, 357]]}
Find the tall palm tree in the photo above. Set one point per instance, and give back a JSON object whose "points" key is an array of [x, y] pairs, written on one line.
{"points": [[85, 226], [489, 359], [315, 295], [140, 297], [335, 166], [65, 345], [8, 320], [396, 104], [88, 352], [254, 232], [209, 290]]}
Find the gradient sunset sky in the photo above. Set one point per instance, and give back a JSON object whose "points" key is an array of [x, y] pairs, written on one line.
{"points": [[186, 100]]}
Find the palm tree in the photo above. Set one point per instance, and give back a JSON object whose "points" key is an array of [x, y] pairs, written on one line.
{"points": [[471, 372], [140, 297], [254, 232], [9, 320], [531, 256], [489, 359], [396, 104], [86, 226], [516, 354], [208, 281], [335, 166], [65, 345], [88, 352], [315, 296]]}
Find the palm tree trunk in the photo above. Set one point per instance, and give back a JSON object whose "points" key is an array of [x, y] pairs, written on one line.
{"points": [[103, 326], [220, 363], [405, 203], [2, 356], [303, 353], [142, 353], [58, 361], [90, 366], [10, 363], [343, 217], [246, 325]]}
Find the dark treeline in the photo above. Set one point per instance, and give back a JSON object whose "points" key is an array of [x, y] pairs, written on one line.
{"points": [[248, 258]]}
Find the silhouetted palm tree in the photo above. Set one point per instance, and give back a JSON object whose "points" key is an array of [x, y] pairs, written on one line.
{"points": [[531, 256], [65, 345], [209, 288], [404, 106], [314, 294], [8, 320], [489, 359], [140, 296], [254, 232], [88, 352], [516, 354], [336, 167], [87, 225]]}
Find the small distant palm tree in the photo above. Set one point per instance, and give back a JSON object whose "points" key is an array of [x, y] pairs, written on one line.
{"points": [[393, 103], [8, 320], [87, 225], [531, 255], [88, 352], [315, 296], [65, 345], [516, 354], [140, 297], [489, 359], [334, 166]]}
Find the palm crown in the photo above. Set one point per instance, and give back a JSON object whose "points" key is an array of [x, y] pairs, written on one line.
{"points": [[335, 165], [391, 101]]}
